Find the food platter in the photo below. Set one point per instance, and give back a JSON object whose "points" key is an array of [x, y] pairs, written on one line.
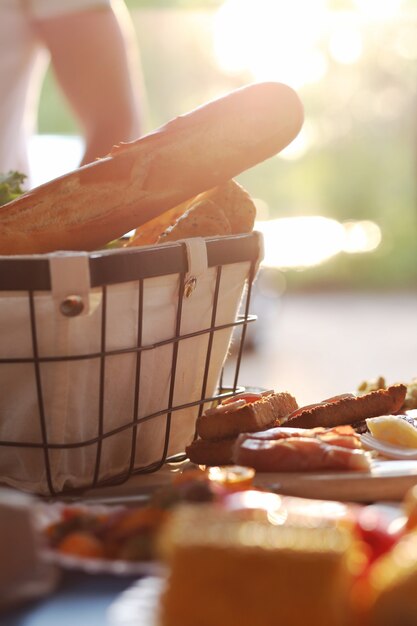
{"points": [[102, 566], [50, 513], [389, 480]]}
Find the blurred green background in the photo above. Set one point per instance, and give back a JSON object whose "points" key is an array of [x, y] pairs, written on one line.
{"points": [[356, 157]]}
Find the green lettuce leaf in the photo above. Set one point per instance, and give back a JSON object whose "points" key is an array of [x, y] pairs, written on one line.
{"points": [[11, 186]]}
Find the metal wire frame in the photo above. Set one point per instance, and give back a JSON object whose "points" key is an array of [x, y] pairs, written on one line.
{"points": [[219, 252]]}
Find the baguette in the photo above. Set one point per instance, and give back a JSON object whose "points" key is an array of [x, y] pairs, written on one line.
{"points": [[264, 413], [137, 181]]}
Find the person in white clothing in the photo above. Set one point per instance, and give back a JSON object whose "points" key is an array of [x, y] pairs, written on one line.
{"points": [[92, 48]]}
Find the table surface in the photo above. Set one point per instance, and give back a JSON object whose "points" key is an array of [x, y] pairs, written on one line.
{"points": [[80, 599]]}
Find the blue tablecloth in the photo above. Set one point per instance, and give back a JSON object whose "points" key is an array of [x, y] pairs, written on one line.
{"points": [[79, 600]]}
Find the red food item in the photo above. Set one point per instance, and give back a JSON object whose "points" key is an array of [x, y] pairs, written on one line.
{"points": [[246, 396], [374, 530], [343, 436], [297, 454], [121, 533], [81, 543], [133, 521], [71, 513]]}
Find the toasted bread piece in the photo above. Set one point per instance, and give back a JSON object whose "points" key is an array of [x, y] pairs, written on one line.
{"points": [[226, 209], [349, 410], [148, 233], [203, 219], [237, 204], [211, 452], [264, 413]]}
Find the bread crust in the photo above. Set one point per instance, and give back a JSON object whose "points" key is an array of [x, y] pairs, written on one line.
{"points": [[211, 452], [224, 210], [99, 202], [264, 413], [237, 204], [203, 219], [230, 202], [349, 410]]}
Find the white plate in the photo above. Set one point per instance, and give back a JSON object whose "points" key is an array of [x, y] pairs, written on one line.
{"points": [[49, 513], [103, 566], [138, 604], [387, 481], [388, 450]]}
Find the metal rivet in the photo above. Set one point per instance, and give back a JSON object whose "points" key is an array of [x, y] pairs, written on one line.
{"points": [[72, 306], [189, 286]]}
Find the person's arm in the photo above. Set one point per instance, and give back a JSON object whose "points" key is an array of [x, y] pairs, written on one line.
{"points": [[90, 57]]}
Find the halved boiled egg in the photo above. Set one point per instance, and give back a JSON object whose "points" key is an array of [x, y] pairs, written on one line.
{"points": [[394, 429]]}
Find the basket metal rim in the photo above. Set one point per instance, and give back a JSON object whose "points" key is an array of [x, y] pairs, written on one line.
{"points": [[31, 272]]}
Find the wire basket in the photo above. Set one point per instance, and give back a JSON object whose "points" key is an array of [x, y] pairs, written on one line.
{"points": [[108, 358]]}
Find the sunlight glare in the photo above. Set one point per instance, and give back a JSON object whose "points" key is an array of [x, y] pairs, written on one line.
{"points": [[51, 156], [406, 43], [345, 44], [379, 9], [268, 39], [301, 144], [363, 236], [299, 242]]}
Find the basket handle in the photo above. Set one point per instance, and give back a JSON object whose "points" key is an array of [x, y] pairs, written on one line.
{"points": [[197, 262], [70, 282]]}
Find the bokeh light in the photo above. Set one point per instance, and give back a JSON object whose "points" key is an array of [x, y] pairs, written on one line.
{"points": [[268, 39], [301, 242]]}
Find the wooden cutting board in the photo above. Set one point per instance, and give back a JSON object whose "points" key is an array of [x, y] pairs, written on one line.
{"points": [[388, 480]]}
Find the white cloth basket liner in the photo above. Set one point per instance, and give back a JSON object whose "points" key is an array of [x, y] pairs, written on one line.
{"points": [[75, 391]]}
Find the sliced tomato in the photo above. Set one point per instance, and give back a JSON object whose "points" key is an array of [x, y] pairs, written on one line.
{"points": [[374, 530]]}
